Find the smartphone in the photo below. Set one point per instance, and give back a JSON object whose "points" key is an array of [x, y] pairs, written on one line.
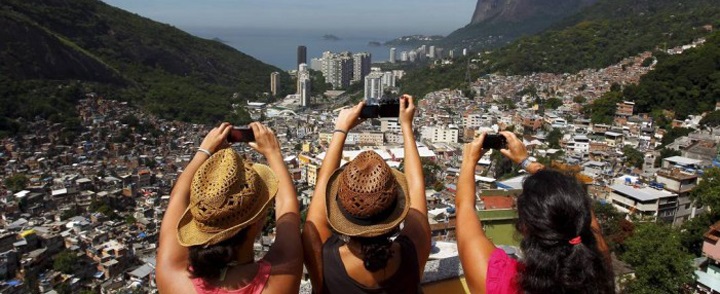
{"points": [[494, 141], [241, 134], [370, 111], [389, 110]]}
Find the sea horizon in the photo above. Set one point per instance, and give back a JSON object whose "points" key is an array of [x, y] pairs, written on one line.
{"points": [[278, 47]]}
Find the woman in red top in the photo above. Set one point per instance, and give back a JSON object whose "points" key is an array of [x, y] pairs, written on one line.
{"points": [[217, 208], [562, 247]]}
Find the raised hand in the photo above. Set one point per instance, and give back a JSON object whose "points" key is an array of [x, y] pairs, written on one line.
{"points": [[515, 149], [216, 138], [473, 151], [349, 117], [265, 141], [407, 110]]}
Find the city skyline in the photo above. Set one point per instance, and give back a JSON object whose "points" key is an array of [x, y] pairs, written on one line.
{"points": [[422, 17]]}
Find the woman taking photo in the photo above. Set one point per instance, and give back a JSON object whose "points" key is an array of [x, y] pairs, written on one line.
{"points": [[217, 208], [563, 250], [355, 211]]}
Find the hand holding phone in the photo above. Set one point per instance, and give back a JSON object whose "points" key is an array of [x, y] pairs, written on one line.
{"points": [[241, 134], [494, 141]]}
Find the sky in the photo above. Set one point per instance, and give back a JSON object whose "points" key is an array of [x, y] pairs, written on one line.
{"points": [[400, 17]]}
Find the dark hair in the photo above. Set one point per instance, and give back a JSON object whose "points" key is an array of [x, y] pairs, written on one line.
{"points": [[553, 209], [208, 262], [376, 251]]}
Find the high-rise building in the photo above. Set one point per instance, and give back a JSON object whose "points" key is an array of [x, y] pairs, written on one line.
{"points": [[439, 53], [374, 88], [361, 66], [301, 55], [274, 83], [338, 69], [404, 56], [465, 52], [392, 55], [304, 85], [412, 56], [388, 79], [431, 54]]}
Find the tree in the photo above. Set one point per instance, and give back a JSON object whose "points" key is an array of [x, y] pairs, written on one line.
{"points": [[553, 103], [579, 99], [633, 157], [16, 182], [430, 170], [711, 119], [129, 219], [673, 134], [553, 138], [707, 192], [692, 231], [65, 262], [661, 265], [614, 226]]}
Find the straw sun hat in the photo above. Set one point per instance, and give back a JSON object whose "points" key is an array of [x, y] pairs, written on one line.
{"points": [[366, 198], [226, 195]]}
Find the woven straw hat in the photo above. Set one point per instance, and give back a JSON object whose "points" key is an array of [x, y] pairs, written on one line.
{"points": [[226, 195], [366, 198]]}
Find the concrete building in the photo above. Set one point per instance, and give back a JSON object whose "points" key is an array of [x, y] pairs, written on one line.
{"points": [[392, 55], [301, 55], [472, 120], [274, 83], [681, 183], [338, 69], [388, 79], [361, 66], [404, 56], [647, 203], [449, 134], [304, 85], [707, 277], [374, 87]]}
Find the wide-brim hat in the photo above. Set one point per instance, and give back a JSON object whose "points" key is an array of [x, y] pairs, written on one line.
{"points": [[339, 213], [227, 195]]}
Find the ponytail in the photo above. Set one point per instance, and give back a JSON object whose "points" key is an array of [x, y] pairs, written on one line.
{"points": [[376, 252]]}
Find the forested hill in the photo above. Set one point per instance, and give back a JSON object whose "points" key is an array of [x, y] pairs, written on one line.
{"points": [[682, 84], [88, 44], [598, 36]]}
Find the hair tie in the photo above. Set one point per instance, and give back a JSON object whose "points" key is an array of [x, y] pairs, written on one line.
{"points": [[575, 241]]}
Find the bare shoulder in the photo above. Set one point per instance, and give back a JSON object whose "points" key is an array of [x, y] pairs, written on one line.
{"points": [[171, 280]]}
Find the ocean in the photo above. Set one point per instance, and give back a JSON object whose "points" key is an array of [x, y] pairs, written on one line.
{"points": [[278, 47]]}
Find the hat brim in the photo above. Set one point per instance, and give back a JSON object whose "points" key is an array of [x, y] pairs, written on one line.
{"points": [[342, 225], [189, 234]]}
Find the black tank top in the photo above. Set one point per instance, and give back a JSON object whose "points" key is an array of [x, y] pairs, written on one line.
{"points": [[336, 279]]}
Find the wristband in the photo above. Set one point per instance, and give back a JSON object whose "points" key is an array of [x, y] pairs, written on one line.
{"points": [[340, 131], [525, 163], [203, 150]]}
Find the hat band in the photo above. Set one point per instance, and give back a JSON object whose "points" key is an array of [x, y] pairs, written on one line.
{"points": [[370, 220]]}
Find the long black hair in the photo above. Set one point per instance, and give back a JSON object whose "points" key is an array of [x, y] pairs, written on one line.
{"points": [[208, 262], [553, 209]]}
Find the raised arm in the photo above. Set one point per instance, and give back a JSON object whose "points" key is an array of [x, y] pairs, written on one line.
{"points": [[474, 247], [317, 230], [172, 259], [285, 254], [416, 226]]}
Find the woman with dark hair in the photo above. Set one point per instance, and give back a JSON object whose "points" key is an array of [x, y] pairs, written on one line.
{"points": [[357, 209], [563, 250], [217, 208]]}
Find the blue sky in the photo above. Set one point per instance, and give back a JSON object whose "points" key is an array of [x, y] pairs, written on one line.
{"points": [[402, 17]]}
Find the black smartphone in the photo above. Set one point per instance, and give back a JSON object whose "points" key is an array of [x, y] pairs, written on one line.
{"points": [[389, 109], [370, 111], [241, 134], [494, 141]]}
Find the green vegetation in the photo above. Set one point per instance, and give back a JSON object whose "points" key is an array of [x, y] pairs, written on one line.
{"points": [[711, 120], [673, 134], [65, 262], [707, 192], [54, 52], [553, 138], [665, 153], [602, 110], [657, 256], [16, 182], [615, 227], [599, 36], [633, 157], [552, 103]]}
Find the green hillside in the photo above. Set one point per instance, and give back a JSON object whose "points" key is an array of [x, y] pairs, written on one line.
{"points": [[598, 36], [50, 46]]}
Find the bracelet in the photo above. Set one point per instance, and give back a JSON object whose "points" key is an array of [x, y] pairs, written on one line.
{"points": [[203, 150], [340, 131], [525, 163]]}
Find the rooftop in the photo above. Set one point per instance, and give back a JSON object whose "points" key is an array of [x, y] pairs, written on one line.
{"points": [[642, 193]]}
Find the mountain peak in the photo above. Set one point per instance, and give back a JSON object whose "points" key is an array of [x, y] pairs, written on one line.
{"points": [[494, 11]]}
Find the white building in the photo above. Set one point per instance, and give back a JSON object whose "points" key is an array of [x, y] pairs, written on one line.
{"points": [[338, 69], [647, 203], [473, 120], [374, 87], [449, 134], [392, 55]]}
